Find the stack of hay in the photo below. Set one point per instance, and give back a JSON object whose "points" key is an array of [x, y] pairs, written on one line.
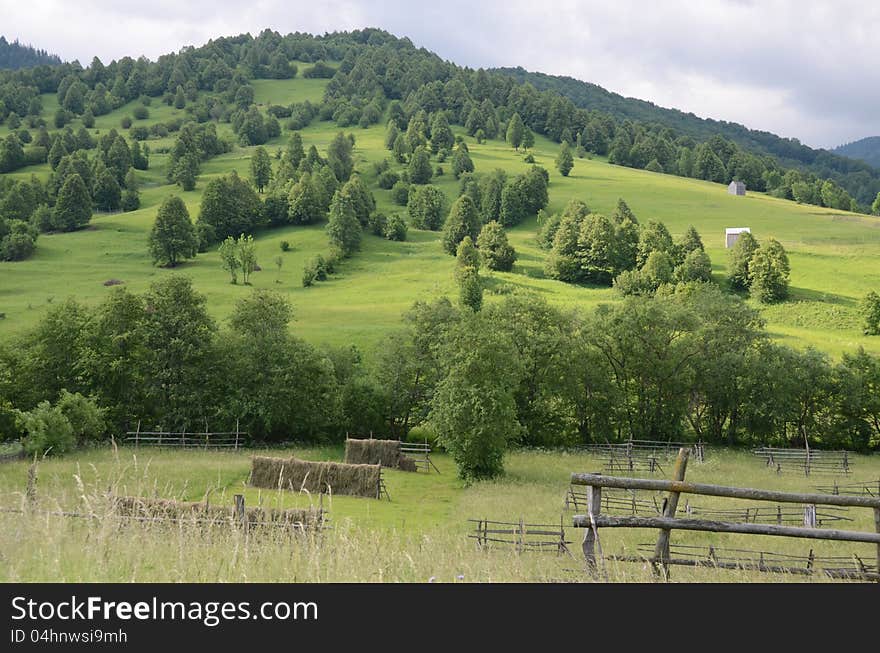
{"points": [[166, 509], [382, 452], [297, 475]]}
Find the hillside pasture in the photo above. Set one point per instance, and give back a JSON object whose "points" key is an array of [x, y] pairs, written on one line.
{"points": [[833, 254]]}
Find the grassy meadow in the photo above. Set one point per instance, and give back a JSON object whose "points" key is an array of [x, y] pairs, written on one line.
{"points": [[833, 254], [420, 534]]}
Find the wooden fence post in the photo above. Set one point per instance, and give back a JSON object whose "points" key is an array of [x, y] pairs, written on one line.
{"points": [[661, 551], [31, 492], [594, 508], [240, 513], [810, 516], [877, 528]]}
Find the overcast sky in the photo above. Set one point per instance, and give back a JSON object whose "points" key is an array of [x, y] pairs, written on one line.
{"points": [[798, 68]]}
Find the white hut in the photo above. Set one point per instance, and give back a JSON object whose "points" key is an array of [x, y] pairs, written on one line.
{"points": [[736, 188], [731, 235]]}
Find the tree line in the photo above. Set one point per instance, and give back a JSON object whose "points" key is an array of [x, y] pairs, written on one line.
{"points": [[689, 361]]}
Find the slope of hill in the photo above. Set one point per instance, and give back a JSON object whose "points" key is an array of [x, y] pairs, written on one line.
{"points": [[15, 55], [866, 149], [837, 165], [832, 252]]}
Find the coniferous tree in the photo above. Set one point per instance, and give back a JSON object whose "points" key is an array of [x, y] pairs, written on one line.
{"points": [[108, 194], [463, 220], [515, 131], [496, 251], [461, 162], [441, 134], [339, 157], [173, 237], [344, 228], [420, 171], [73, 209], [769, 271], [740, 259], [261, 168], [304, 203], [565, 160]]}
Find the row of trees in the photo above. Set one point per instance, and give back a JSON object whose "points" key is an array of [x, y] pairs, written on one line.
{"points": [[688, 361]]}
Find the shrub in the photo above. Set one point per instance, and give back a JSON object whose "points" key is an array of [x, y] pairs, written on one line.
{"points": [[125, 122], [396, 228], [48, 431], [309, 276], [400, 193], [378, 223], [388, 179], [285, 246], [85, 417], [140, 112]]}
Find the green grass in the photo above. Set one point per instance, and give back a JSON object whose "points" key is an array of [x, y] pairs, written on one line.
{"points": [[420, 533], [833, 254]]}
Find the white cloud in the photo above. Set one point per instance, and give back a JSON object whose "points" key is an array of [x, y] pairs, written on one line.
{"points": [[802, 69]]}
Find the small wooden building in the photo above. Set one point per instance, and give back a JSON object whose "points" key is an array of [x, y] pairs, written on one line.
{"points": [[731, 235], [736, 188]]}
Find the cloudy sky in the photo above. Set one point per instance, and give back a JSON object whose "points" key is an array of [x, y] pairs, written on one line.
{"points": [[799, 68]]}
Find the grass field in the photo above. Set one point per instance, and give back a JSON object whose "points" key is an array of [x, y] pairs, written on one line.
{"points": [[833, 254], [421, 533]]}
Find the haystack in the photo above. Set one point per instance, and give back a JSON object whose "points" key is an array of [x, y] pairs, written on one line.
{"points": [[382, 452], [167, 509], [297, 475]]}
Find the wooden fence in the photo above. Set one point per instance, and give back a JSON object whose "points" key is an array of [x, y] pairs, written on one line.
{"points": [[806, 461], [188, 439], [661, 558], [420, 454], [520, 535], [659, 449], [864, 488]]}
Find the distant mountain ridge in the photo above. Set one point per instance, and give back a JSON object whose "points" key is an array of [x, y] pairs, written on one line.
{"points": [[851, 172], [865, 149], [14, 55]]}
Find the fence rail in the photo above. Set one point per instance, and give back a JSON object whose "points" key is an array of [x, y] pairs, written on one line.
{"points": [[520, 535], [667, 521], [420, 453], [188, 439], [808, 461], [864, 488]]}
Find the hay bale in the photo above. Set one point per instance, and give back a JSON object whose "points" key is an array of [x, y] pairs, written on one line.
{"points": [[373, 452], [297, 475], [169, 510], [407, 464]]}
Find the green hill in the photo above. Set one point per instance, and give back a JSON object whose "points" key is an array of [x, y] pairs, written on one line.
{"points": [[832, 252], [865, 149], [837, 164]]}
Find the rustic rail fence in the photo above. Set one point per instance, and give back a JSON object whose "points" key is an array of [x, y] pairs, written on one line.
{"points": [[863, 488], [843, 567], [808, 515], [659, 449], [520, 536], [631, 501], [188, 439], [807, 461], [420, 454], [661, 559]]}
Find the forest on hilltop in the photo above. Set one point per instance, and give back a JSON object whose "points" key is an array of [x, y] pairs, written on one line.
{"points": [[15, 55]]}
